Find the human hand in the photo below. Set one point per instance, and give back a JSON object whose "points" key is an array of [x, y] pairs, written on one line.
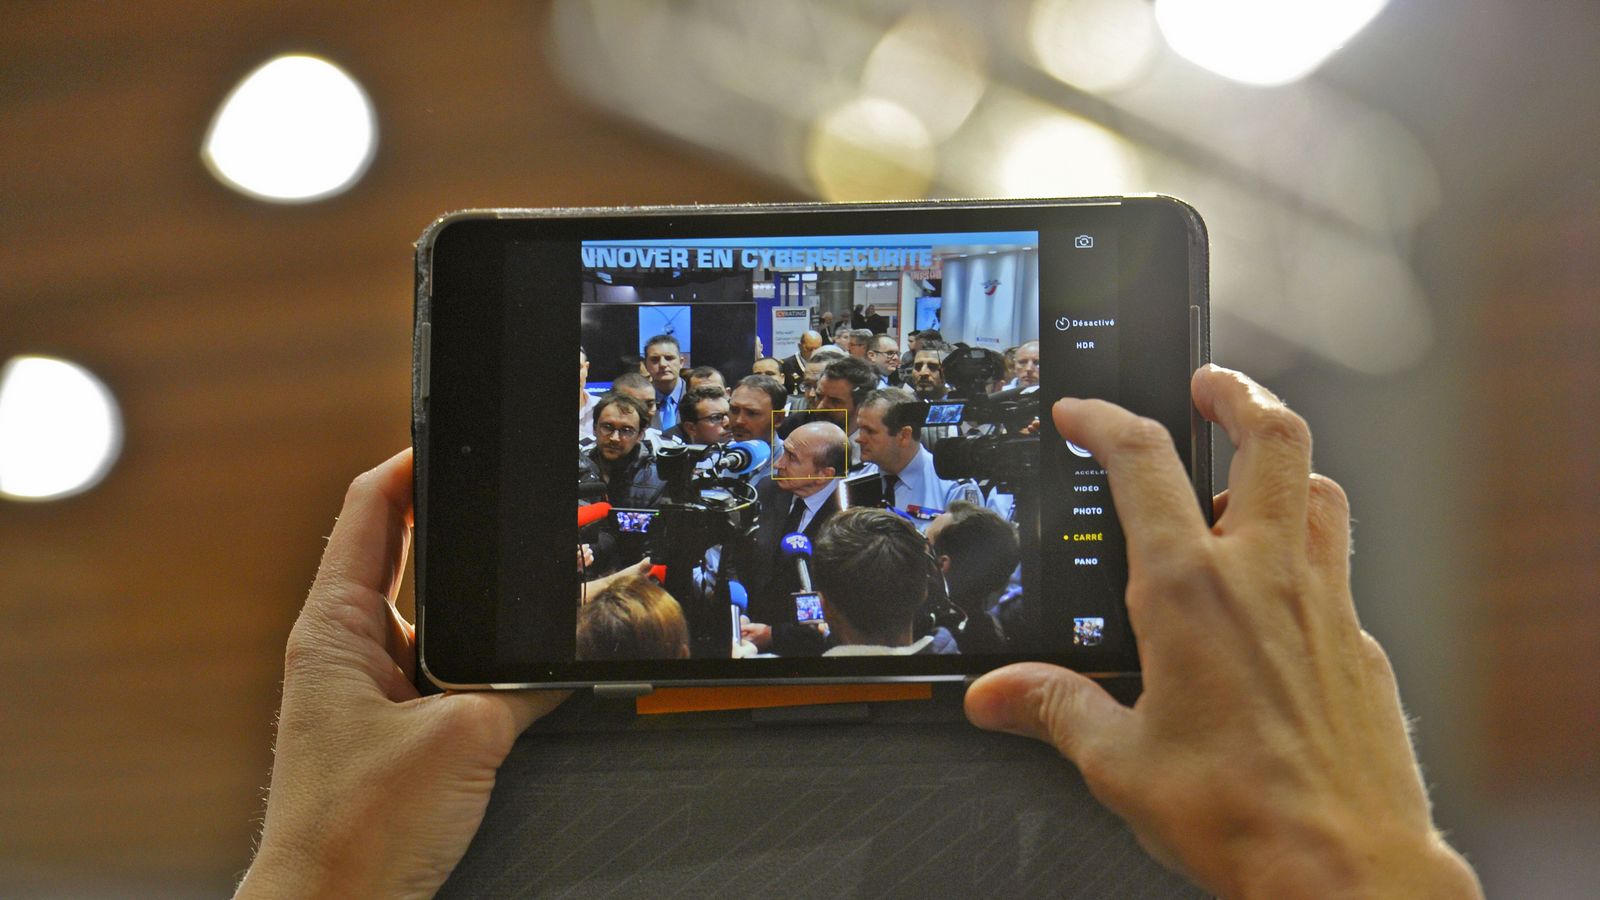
{"points": [[376, 792], [585, 556], [1268, 754], [592, 589], [756, 633]]}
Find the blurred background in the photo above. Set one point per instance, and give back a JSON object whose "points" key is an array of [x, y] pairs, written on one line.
{"points": [[205, 313]]}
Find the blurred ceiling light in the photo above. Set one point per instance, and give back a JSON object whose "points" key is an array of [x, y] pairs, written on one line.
{"points": [[1058, 155], [870, 148], [1093, 45], [298, 128], [1262, 42], [60, 429], [932, 68]]}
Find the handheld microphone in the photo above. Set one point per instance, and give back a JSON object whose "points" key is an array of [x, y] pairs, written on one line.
{"points": [[659, 573], [744, 457], [797, 547], [594, 512], [739, 605]]}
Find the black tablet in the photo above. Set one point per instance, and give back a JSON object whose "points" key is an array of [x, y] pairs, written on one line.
{"points": [[813, 441]]}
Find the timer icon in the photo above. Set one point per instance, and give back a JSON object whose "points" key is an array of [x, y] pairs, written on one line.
{"points": [[1063, 323]]}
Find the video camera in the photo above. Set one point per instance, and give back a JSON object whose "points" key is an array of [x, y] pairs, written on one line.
{"points": [[1002, 454], [689, 469]]}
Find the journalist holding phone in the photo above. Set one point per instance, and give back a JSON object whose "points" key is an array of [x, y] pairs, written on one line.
{"points": [[1268, 755]]}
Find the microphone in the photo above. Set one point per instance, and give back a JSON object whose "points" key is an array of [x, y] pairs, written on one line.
{"points": [[591, 490], [797, 547], [594, 512], [739, 605], [744, 457], [659, 573]]}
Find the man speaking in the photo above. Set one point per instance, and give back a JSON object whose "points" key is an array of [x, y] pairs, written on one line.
{"points": [[800, 496]]}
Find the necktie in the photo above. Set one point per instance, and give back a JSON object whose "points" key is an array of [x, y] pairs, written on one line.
{"points": [[890, 482], [797, 511], [667, 409]]}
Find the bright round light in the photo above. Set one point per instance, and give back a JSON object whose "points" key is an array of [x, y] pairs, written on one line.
{"points": [[298, 128], [1265, 42], [1094, 45], [1063, 156], [60, 429], [932, 68], [870, 149]]}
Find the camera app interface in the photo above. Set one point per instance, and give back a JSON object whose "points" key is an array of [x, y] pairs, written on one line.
{"points": [[839, 445]]}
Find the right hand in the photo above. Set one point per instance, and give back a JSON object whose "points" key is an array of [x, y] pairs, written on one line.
{"points": [[1268, 754], [591, 589], [756, 633]]}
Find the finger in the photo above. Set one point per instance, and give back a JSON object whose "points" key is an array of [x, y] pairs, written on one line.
{"points": [[402, 645], [1155, 502], [1328, 529], [1048, 703], [1267, 480], [1219, 505], [513, 711], [367, 549]]}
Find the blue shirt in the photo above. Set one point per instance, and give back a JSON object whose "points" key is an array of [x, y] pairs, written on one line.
{"points": [[667, 407], [921, 487]]}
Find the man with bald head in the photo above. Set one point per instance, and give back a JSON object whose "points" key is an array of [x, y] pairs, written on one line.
{"points": [[1027, 365], [793, 368], [799, 496]]}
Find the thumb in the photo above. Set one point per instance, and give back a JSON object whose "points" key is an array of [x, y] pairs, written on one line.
{"points": [[501, 715], [1048, 703]]}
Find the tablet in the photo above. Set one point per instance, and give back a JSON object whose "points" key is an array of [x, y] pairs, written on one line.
{"points": [[813, 441]]}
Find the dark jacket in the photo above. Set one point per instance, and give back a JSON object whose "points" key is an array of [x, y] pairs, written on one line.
{"points": [[632, 482], [770, 579]]}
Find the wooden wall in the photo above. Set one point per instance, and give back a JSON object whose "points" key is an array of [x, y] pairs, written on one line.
{"points": [[261, 357]]}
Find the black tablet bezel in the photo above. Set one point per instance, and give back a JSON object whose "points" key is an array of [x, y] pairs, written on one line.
{"points": [[462, 328]]}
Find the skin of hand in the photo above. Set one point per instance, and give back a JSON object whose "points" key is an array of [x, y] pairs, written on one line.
{"points": [[1268, 755], [592, 589], [376, 791], [756, 633]]}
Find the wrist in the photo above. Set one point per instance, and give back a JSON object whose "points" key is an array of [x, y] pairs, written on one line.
{"points": [[279, 871], [1377, 864], [275, 874]]}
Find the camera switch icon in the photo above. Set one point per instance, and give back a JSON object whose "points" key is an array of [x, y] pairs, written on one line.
{"points": [[1083, 242]]}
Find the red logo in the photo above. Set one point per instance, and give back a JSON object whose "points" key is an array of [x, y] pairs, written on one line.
{"points": [[989, 286]]}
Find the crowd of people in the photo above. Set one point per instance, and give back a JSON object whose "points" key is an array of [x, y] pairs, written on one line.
{"points": [[904, 561]]}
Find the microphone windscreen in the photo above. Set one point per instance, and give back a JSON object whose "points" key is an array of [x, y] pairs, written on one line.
{"points": [[659, 573], [759, 453], [739, 596], [796, 545], [594, 512]]}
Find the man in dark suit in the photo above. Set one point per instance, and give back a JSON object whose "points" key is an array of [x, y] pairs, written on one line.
{"points": [[793, 368], [801, 494]]}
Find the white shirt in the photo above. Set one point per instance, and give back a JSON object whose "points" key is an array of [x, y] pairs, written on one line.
{"points": [[878, 649], [814, 503], [586, 417], [920, 486]]}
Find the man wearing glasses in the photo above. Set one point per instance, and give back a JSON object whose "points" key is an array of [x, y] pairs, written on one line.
{"points": [[619, 458], [704, 418], [883, 353]]}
